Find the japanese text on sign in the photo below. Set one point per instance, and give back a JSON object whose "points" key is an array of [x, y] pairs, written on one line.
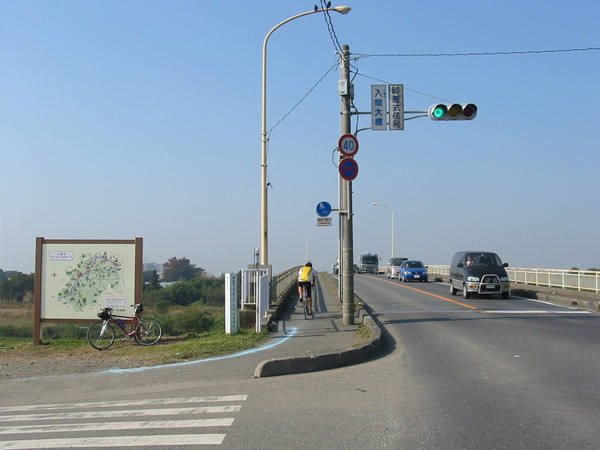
{"points": [[396, 95], [378, 107]]}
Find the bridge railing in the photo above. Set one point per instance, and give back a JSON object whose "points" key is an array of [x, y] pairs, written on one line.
{"points": [[282, 283], [581, 280]]}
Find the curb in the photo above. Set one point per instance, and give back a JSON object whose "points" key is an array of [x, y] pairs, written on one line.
{"points": [[325, 361]]}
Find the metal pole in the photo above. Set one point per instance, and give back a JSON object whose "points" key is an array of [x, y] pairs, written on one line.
{"points": [[393, 227], [347, 249], [306, 247], [264, 208]]}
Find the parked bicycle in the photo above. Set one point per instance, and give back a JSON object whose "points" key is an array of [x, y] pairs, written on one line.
{"points": [[101, 335]]}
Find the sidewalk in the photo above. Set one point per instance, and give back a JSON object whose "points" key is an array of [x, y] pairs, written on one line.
{"points": [[323, 342]]}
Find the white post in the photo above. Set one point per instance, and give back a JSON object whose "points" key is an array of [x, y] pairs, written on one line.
{"points": [[231, 309]]}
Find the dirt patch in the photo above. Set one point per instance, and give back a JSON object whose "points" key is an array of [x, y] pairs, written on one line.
{"points": [[44, 360]]}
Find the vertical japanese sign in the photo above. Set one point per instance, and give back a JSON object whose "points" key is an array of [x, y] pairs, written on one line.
{"points": [[378, 107], [231, 309], [396, 96]]}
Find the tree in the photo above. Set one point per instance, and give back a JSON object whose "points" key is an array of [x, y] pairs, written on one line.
{"points": [[151, 280], [180, 270], [16, 287]]}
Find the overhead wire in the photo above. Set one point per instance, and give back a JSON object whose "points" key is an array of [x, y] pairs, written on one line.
{"points": [[338, 49], [522, 52]]}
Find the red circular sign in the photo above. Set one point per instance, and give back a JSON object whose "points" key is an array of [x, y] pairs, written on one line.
{"points": [[348, 144], [348, 169]]}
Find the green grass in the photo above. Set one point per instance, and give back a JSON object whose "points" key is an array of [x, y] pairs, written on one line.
{"points": [[168, 350], [69, 341]]}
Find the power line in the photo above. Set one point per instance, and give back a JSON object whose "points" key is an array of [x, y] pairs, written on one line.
{"points": [[523, 52], [329, 22]]}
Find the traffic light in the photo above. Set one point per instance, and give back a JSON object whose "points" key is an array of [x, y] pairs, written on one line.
{"points": [[455, 111]]}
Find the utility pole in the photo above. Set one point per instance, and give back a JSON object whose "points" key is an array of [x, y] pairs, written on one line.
{"points": [[346, 232]]}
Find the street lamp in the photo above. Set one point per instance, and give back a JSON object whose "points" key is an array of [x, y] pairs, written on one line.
{"points": [[307, 239], [385, 206], [264, 231]]}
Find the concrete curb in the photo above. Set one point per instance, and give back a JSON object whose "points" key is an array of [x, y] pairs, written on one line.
{"points": [[326, 361]]}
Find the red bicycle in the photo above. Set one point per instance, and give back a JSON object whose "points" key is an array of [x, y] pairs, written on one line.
{"points": [[101, 335]]}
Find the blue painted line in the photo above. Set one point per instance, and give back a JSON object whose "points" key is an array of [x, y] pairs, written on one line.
{"points": [[292, 332]]}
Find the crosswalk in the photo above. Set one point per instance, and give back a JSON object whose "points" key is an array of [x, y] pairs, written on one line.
{"points": [[165, 422]]}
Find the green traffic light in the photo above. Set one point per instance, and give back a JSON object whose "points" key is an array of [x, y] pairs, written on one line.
{"points": [[439, 111]]}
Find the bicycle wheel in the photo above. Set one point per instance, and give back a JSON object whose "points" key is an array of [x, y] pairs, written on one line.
{"points": [[304, 303], [101, 335], [148, 332]]}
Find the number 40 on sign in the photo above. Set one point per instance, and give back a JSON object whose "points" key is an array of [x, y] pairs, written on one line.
{"points": [[348, 145]]}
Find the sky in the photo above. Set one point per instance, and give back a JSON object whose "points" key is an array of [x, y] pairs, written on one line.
{"points": [[143, 119]]}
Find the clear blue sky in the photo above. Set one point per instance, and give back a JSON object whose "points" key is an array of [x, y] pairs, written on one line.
{"points": [[142, 118]]}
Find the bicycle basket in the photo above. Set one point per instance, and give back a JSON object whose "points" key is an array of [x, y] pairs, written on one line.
{"points": [[104, 314], [139, 308]]}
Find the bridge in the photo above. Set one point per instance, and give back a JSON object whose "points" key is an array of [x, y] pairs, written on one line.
{"points": [[578, 288]]}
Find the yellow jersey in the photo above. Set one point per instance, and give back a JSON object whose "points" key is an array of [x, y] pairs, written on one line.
{"points": [[304, 274]]}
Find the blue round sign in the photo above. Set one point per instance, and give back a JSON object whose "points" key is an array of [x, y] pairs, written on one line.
{"points": [[323, 209]]}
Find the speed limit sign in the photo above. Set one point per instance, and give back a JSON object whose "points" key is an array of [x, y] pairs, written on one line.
{"points": [[348, 145]]}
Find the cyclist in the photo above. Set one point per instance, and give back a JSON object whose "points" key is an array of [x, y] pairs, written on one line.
{"points": [[306, 280]]}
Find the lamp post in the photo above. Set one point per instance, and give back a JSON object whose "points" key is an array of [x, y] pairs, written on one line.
{"points": [[264, 230], [306, 249], [385, 206]]}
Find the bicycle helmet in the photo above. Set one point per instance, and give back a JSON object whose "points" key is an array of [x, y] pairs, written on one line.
{"points": [[308, 264]]}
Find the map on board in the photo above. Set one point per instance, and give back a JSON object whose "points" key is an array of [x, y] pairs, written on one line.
{"points": [[80, 280], [90, 279]]}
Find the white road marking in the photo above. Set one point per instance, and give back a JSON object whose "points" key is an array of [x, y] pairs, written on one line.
{"points": [[82, 423], [119, 442], [118, 426], [532, 311], [121, 414], [126, 403]]}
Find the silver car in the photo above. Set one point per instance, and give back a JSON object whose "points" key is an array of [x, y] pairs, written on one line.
{"points": [[393, 267]]}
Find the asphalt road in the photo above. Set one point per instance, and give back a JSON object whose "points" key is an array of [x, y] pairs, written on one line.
{"points": [[456, 374]]}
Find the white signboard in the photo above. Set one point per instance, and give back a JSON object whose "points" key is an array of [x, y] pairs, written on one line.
{"points": [[79, 278], [396, 97], [378, 107], [324, 221], [231, 310]]}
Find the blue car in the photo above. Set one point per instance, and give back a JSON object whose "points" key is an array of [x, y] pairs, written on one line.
{"points": [[413, 270]]}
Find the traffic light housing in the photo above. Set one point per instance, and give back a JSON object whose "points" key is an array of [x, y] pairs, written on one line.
{"points": [[454, 111]]}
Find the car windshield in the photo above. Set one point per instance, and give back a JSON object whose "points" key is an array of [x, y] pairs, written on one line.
{"points": [[414, 264], [396, 261], [370, 259], [483, 260]]}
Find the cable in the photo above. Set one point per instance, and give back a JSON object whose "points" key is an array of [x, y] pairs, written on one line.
{"points": [[328, 21], [524, 52], [302, 99]]}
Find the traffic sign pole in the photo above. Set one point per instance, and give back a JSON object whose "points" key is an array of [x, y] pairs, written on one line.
{"points": [[346, 239]]}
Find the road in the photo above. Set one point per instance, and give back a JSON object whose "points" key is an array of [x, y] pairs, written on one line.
{"points": [[456, 373]]}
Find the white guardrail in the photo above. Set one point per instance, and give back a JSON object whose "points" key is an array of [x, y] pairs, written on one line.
{"points": [[581, 280]]}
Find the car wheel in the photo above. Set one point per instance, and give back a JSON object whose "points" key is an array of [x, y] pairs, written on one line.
{"points": [[466, 294], [453, 291], [505, 295]]}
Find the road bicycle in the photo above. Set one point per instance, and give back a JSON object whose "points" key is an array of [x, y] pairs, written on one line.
{"points": [[304, 302], [101, 335]]}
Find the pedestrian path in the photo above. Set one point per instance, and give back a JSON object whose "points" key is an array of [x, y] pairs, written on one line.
{"points": [[168, 422]]}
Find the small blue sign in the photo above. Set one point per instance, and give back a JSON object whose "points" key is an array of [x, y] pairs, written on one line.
{"points": [[323, 209]]}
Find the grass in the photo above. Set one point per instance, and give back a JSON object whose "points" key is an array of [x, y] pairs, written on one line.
{"points": [[170, 349]]}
